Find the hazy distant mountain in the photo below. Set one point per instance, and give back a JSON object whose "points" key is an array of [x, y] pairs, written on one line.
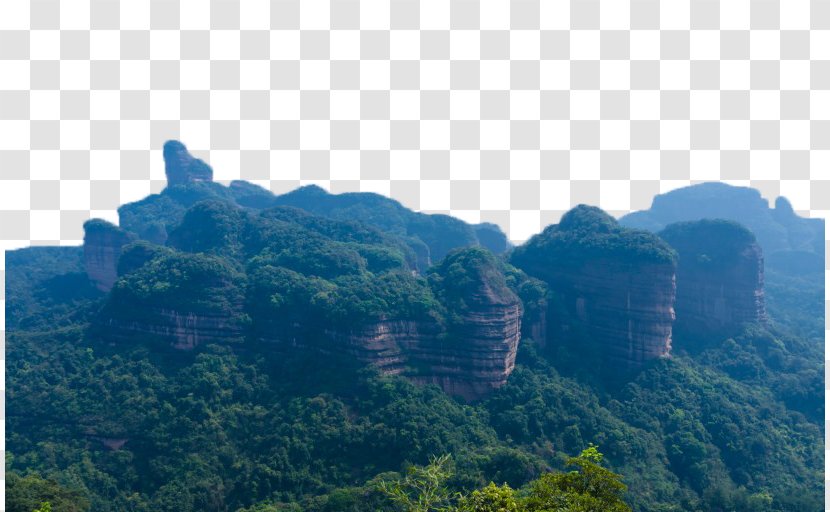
{"points": [[791, 243]]}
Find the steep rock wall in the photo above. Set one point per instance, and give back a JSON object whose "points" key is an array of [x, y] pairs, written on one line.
{"points": [[475, 359], [470, 362], [182, 330], [613, 288], [469, 349], [181, 167], [626, 309], [720, 276], [102, 248]]}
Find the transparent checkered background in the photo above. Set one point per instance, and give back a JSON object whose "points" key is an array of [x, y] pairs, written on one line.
{"points": [[502, 111]]}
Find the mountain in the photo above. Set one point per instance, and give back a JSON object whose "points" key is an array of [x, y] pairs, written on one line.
{"points": [[614, 285], [792, 244], [321, 285], [720, 276], [225, 349], [189, 180]]}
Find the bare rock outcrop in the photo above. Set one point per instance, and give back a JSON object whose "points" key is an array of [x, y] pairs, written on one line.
{"points": [[720, 276], [181, 167], [613, 288], [181, 330], [627, 308], [478, 352], [102, 248], [478, 359], [468, 348], [178, 299], [470, 361]]}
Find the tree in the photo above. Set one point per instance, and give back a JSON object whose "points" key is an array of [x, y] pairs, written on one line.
{"points": [[423, 489], [591, 488], [490, 499], [31, 493]]}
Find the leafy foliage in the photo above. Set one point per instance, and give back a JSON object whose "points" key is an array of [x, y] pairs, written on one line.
{"points": [[792, 245], [423, 489], [586, 232], [177, 281], [708, 242], [256, 427], [31, 493]]}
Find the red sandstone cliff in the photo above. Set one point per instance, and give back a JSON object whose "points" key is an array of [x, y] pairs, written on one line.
{"points": [[720, 276], [627, 308], [613, 288], [102, 248]]}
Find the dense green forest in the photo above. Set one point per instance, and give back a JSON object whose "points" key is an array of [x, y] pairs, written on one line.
{"points": [[731, 424]]}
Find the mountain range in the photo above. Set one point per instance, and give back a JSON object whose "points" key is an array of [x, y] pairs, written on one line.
{"points": [[225, 348]]}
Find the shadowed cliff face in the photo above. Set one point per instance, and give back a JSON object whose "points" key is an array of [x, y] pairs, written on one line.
{"points": [[615, 285], [480, 351], [102, 248], [182, 330], [720, 276], [628, 309]]}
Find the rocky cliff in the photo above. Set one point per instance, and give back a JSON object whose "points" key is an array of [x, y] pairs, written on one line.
{"points": [[102, 248], [182, 330], [626, 308], [324, 285], [466, 344], [485, 323], [613, 286], [720, 276], [181, 300], [792, 244], [470, 363], [181, 167], [478, 358]]}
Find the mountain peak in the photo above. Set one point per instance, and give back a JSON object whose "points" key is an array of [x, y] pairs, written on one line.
{"points": [[181, 167]]}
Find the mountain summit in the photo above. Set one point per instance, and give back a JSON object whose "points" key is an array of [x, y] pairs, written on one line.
{"points": [[182, 167]]}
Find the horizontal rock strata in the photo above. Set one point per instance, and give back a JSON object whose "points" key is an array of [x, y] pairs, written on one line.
{"points": [[720, 276], [628, 309], [182, 330], [102, 248]]}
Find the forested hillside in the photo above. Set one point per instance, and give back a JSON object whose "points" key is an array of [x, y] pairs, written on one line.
{"points": [[224, 349]]}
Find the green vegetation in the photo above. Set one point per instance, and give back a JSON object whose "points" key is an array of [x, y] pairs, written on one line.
{"points": [[710, 242], [590, 487], [587, 232], [792, 245], [368, 218], [177, 281], [467, 275], [111, 425], [31, 493]]}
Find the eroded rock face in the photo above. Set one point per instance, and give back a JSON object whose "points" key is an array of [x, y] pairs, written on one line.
{"points": [[720, 276], [102, 248], [613, 288], [173, 298], [627, 309], [478, 358], [478, 352], [182, 330], [469, 355], [471, 363], [181, 167]]}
